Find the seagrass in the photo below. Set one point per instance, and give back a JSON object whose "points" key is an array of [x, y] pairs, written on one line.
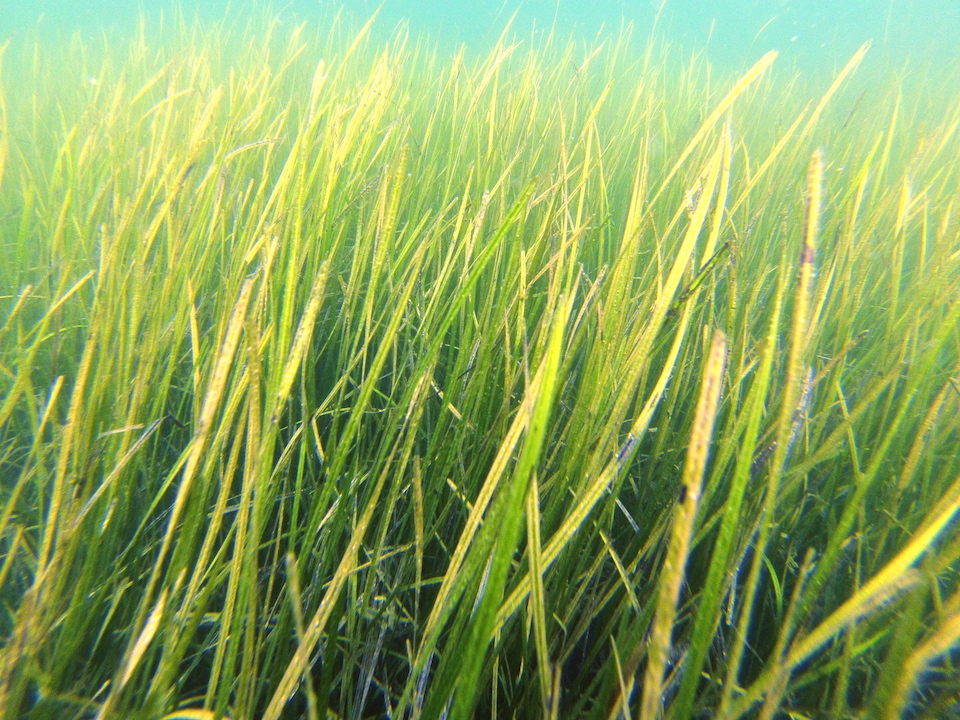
{"points": [[344, 377]]}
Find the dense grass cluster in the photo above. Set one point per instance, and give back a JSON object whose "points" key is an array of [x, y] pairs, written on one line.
{"points": [[342, 379]]}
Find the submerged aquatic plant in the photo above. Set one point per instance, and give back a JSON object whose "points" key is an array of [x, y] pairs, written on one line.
{"points": [[342, 378]]}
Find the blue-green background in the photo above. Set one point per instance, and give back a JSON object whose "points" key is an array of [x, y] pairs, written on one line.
{"points": [[810, 34]]}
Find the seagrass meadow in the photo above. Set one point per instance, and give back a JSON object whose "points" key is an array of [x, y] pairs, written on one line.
{"points": [[345, 378]]}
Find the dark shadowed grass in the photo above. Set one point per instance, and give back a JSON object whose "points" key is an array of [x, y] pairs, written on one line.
{"points": [[343, 379]]}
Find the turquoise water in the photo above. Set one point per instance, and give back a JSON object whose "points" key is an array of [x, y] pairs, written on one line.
{"points": [[810, 34]]}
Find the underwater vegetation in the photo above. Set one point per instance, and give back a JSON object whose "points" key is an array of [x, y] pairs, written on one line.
{"points": [[340, 378]]}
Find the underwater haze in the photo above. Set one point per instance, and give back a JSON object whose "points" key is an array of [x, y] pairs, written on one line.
{"points": [[811, 34]]}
